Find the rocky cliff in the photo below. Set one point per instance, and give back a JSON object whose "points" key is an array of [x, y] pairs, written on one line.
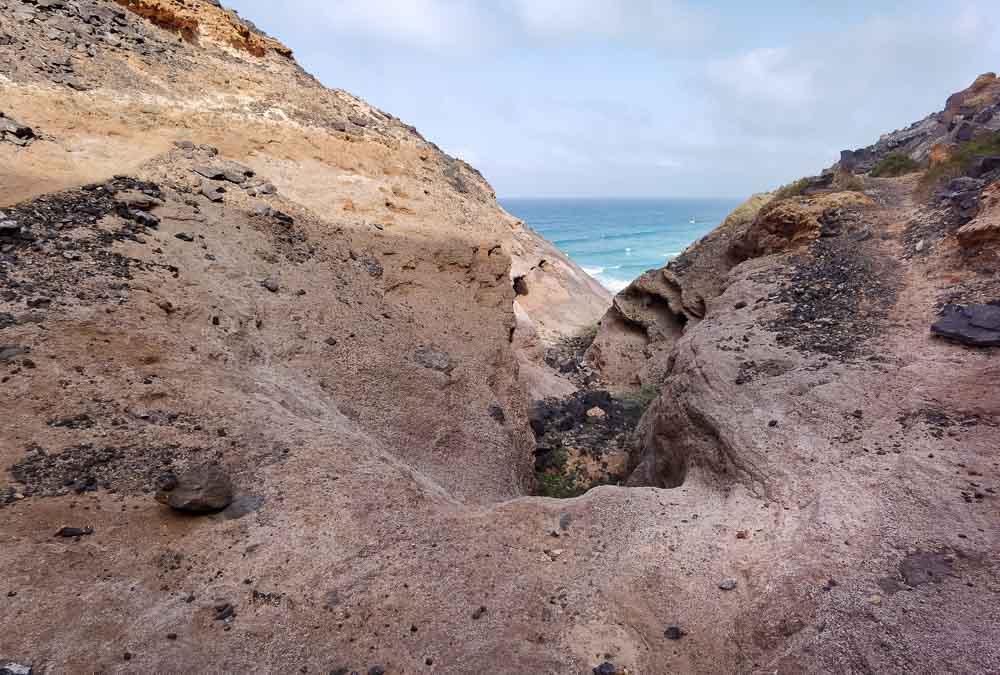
{"points": [[266, 361]]}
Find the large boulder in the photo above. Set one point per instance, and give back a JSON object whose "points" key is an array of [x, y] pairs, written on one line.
{"points": [[974, 325], [203, 489]]}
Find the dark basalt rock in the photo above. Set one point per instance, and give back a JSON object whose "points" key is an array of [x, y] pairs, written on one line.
{"points": [[69, 532], [973, 325], [204, 489], [12, 668]]}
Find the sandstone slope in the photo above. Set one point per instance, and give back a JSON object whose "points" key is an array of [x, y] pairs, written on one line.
{"points": [[207, 257]]}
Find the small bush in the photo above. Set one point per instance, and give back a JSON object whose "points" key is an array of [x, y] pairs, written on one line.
{"points": [[792, 189], [896, 164]]}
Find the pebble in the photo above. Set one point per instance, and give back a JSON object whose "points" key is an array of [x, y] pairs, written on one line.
{"points": [[270, 284], [673, 633], [728, 584]]}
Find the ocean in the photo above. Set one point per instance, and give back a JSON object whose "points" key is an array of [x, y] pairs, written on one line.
{"points": [[616, 240]]}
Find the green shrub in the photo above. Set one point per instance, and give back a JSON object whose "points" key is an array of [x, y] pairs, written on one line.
{"points": [[792, 189], [644, 396], [556, 481], [896, 164]]}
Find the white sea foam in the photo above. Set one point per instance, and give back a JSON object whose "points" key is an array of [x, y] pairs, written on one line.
{"points": [[613, 284]]}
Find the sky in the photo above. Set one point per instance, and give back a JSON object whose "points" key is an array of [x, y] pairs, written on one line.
{"points": [[642, 98]]}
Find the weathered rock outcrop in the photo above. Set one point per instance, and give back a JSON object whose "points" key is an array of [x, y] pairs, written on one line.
{"points": [[967, 114]]}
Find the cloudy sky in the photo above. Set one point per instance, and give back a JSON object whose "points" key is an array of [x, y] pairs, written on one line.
{"points": [[657, 98]]}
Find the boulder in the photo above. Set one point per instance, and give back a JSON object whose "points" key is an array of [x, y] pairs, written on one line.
{"points": [[973, 325], [203, 489]]}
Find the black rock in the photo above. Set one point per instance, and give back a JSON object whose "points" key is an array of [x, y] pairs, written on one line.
{"points": [[184, 236], [68, 532], [496, 412], [985, 166], [673, 633], [270, 284], [974, 325], [202, 489], [224, 611], [606, 668]]}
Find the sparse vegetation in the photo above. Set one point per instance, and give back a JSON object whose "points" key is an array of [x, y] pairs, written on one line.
{"points": [[962, 159], [748, 210], [561, 481], [896, 164], [846, 181], [792, 189], [644, 396]]}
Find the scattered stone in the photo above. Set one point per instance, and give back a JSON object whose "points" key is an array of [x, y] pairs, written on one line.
{"points": [[478, 614], [68, 532], [331, 341], [973, 325], [212, 191], [166, 306], [875, 600], [11, 668], [270, 284], [728, 584], [171, 636], [606, 668], [565, 520], [203, 489], [184, 236], [497, 413], [274, 214], [14, 132], [134, 199], [674, 633], [433, 358], [596, 413], [224, 611]]}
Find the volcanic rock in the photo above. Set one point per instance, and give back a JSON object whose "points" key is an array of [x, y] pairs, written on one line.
{"points": [[973, 325], [203, 489]]}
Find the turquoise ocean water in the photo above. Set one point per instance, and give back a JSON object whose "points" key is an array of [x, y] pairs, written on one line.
{"points": [[616, 240]]}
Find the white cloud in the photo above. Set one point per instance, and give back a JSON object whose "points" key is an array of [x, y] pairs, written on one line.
{"points": [[854, 84], [661, 20], [430, 24]]}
